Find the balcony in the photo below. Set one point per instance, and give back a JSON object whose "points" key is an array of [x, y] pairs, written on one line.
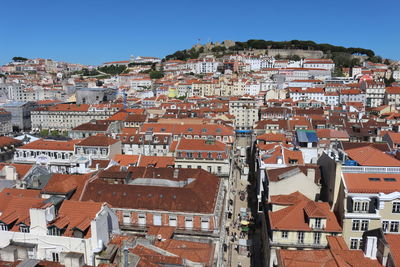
{"points": [[370, 169]]}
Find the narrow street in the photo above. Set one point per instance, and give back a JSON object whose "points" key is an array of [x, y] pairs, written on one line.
{"points": [[241, 245]]}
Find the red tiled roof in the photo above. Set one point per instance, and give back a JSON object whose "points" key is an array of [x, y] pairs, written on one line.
{"points": [[270, 137], [292, 218], [393, 90], [29, 193], [156, 161], [332, 134], [197, 196], [97, 140], [78, 214], [126, 160], [370, 156], [394, 244], [66, 183], [7, 141], [46, 144], [193, 251], [360, 182], [21, 169]]}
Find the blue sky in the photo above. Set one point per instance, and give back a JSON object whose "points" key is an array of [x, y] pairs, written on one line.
{"points": [[92, 32]]}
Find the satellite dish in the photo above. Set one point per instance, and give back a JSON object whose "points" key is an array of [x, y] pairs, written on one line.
{"points": [[49, 217]]}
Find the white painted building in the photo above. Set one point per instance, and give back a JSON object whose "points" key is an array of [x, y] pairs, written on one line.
{"points": [[75, 233]]}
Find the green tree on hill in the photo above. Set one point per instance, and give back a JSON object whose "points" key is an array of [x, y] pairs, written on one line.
{"points": [[19, 59]]}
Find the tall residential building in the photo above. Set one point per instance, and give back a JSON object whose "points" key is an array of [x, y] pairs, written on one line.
{"points": [[371, 199], [245, 110]]}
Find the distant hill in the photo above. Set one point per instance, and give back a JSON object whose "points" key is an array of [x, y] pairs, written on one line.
{"points": [[343, 57]]}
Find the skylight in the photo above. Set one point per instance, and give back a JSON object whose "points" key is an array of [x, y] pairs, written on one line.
{"points": [[389, 179], [374, 179]]}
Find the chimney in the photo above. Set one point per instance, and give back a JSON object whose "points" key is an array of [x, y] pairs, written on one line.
{"points": [[11, 172], [371, 247], [176, 173], [38, 221], [311, 174]]}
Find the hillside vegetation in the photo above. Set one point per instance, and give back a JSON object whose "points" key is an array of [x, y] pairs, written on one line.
{"points": [[343, 57]]}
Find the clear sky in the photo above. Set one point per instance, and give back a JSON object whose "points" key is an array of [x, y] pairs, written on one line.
{"points": [[92, 32]]}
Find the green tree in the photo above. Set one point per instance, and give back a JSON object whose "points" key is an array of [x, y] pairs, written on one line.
{"points": [[155, 74], [294, 58], [375, 59], [44, 133], [113, 69], [54, 133], [338, 72], [388, 82], [19, 59]]}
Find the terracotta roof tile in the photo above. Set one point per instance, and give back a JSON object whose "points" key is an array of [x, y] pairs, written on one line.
{"points": [[21, 169], [370, 156], [45, 144], [394, 244], [7, 141], [361, 182], [292, 218], [97, 140]]}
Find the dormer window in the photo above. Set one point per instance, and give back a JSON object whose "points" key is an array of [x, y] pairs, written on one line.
{"points": [[53, 230], [3, 227], [24, 229], [318, 223], [360, 206]]}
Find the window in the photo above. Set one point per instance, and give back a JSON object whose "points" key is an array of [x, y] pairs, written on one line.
{"points": [[189, 154], [142, 219], [3, 227], [317, 238], [126, 218], [209, 155], [24, 229], [172, 221], [394, 227], [364, 225], [318, 223], [285, 234], [219, 156], [188, 222], [396, 207], [199, 155], [385, 226], [54, 231], [300, 237], [356, 225], [353, 243], [361, 206], [55, 257]]}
